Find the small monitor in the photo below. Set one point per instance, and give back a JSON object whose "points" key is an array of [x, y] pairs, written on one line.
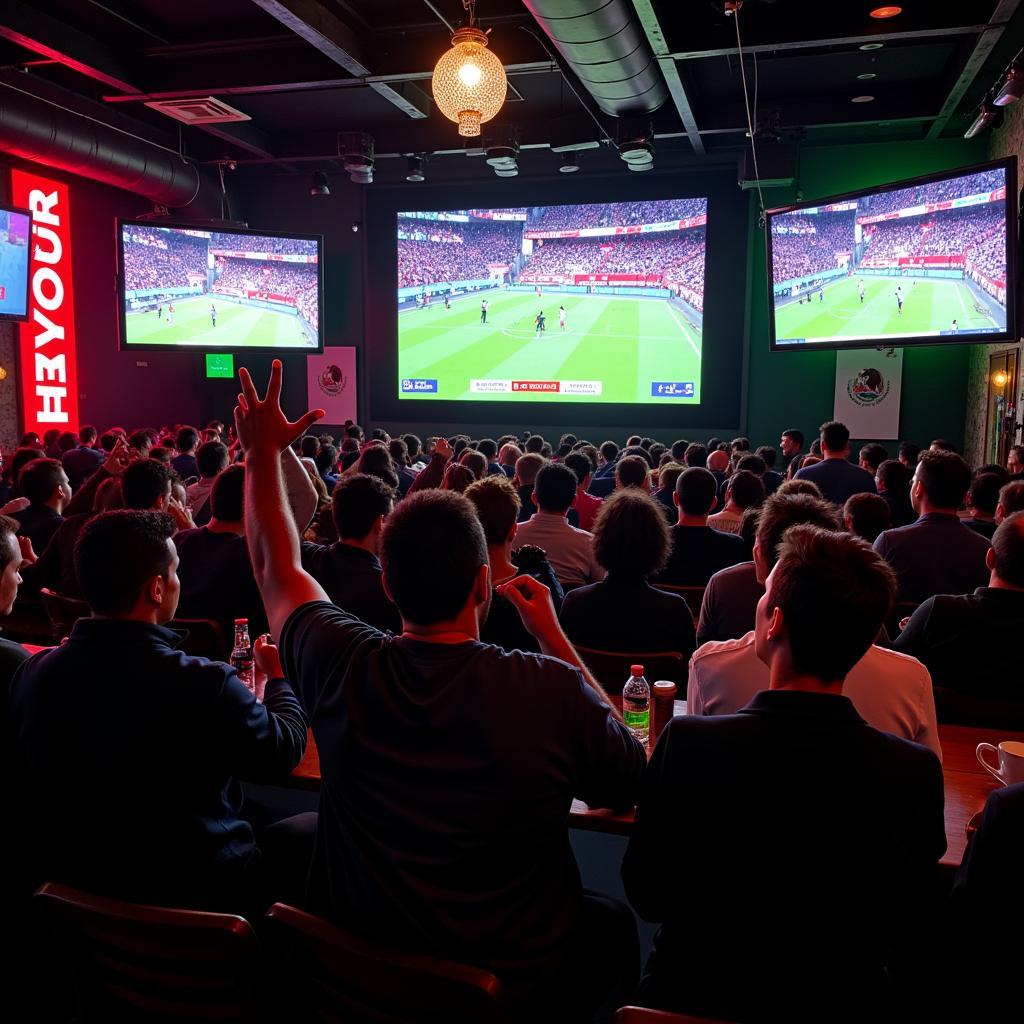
{"points": [[220, 364], [15, 234]]}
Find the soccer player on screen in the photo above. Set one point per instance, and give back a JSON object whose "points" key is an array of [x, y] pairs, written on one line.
{"points": [[860, 291], [170, 314], [483, 311], [213, 314], [561, 318], [955, 328], [539, 323], [160, 312], [899, 299]]}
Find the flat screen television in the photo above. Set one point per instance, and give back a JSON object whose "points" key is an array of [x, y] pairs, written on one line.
{"points": [[203, 288], [15, 236], [584, 303], [914, 262]]}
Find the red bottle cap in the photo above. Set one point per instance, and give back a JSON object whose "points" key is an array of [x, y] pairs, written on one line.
{"points": [[636, 670]]}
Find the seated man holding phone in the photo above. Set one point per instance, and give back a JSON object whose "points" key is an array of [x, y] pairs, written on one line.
{"points": [[448, 765]]}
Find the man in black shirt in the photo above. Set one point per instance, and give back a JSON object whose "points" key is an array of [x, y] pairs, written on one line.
{"points": [[81, 462], [127, 751], [184, 463], [782, 848], [11, 654], [349, 570], [968, 642], [448, 766], [45, 484]]}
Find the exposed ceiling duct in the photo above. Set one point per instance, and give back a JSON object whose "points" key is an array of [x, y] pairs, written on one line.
{"points": [[604, 44], [45, 133]]}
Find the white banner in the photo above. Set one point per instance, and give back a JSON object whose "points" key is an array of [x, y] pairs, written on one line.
{"points": [[331, 383], [868, 392]]}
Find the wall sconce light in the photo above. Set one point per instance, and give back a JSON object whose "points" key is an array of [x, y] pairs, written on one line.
{"points": [[999, 378]]}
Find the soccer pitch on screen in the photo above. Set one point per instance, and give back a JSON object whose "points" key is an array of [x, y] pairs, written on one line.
{"points": [[237, 326], [929, 309], [624, 346]]}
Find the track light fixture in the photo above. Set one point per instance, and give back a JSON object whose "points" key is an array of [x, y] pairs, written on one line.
{"points": [[987, 116], [319, 186], [415, 169]]}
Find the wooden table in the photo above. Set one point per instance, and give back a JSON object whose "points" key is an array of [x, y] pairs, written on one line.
{"points": [[967, 786]]}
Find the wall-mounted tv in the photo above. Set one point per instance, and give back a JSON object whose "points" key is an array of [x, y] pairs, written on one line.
{"points": [[584, 303], [197, 287], [914, 262], [15, 233]]}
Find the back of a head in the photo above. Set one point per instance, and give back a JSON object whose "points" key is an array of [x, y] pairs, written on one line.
{"points": [[781, 511], [631, 536], [358, 500], [874, 455], [488, 449], [510, 454], [668, 475], [768, 455], [697, 489], [497, 506], [718, 461], [894, 476], [609, 451], [909, 452], [86, 435], [140, 440], [354, 431], [835, 436], [633, 441], [740, 444], [869, 515], [162, 454], [834, 592], [942, 444], [631, 471], [309, 445], [376, 460], [527, 468], [39, 479], [432, 548], [944, 477], [108, 441], [985, 488], [187, 438], [679, 449], [580, 465], [640, 453], [212, 458], [799, 487], [457, 477], [143, 483], [555, 488], [745, 489], [413, 445], [475, 463], [534, 443], [67, 441], [657, 452], [752, 464], [399, 451], [117, 553], [1008, 550], [695, 456], [326, 458], [227, 498], [1011, 497]]}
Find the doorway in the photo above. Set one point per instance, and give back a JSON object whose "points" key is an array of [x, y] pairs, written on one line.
{"points": [[1001, 424]]}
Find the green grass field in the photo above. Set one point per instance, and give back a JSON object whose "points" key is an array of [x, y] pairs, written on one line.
{"points": [[929, 306], [238, 326], [625, 344]]}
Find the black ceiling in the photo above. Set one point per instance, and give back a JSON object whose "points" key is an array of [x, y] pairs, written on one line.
{"points": [[304, 70]]}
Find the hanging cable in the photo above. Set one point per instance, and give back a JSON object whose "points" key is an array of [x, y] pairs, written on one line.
{"points": [[751, 117]]}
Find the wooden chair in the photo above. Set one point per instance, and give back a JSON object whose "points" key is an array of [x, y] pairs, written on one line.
{"points": [[337, 978], [640, 1015], [142, 964], [611, 668], [693, 596], [63, 612]]}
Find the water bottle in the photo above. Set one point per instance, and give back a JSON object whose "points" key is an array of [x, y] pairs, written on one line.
{"points": [[636, 704], [241, 655]]}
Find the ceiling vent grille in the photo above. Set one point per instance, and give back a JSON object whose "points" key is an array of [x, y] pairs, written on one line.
{"points": [[199, 110]]}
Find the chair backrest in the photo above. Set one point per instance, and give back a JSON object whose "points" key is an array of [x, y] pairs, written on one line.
{"points": [[640, 1015], [63, 612], [338, 978], [693, 596], [204, 639], [140, 963], [611, 668]]}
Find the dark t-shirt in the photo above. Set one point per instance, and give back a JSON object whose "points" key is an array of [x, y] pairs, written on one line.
{"points": [[838, 479], [217, 580], [185, 466], [39, 523], [353, 579], [698, 552], [447, 775]]}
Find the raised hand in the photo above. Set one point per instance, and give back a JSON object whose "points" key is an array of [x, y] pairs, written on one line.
{"points": [[120, 458], [443, 448], [261, 423]]}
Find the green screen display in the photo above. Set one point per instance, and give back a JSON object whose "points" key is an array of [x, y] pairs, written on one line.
{"points": [[220, 364]]}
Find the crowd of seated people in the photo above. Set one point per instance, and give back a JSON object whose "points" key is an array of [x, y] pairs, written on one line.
{"points": [[593, 215], [935, 192], [813, 250], [435, 253], [427, 632], [161, 259]]}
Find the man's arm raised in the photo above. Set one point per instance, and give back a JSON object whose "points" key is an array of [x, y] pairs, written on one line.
{"points": [[264, 432]]}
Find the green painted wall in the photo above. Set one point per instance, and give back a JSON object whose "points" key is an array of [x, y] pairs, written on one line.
{"points": [[795, 389]]}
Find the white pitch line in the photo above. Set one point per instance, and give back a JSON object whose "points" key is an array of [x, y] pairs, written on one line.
{"points": [[686, 333]]}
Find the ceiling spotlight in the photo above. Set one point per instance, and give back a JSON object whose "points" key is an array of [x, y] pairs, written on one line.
{"points": [[867, 76], [862, 99], [570, 163], [886, 12], [871, 46], [469, 83], [356, 152], [1012, 88], [319, 186], [415, 169], [510, 171], [987, 116], [641, 167]]}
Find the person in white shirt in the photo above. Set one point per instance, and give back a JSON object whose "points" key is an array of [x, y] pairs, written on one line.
{"points": [[892, 692], [743, 490], [570, 551]]}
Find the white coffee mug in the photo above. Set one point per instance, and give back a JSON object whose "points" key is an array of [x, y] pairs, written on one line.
{"points": [[1010, 755]]}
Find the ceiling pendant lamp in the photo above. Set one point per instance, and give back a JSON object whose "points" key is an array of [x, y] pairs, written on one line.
{"points": [[469, 82]]}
